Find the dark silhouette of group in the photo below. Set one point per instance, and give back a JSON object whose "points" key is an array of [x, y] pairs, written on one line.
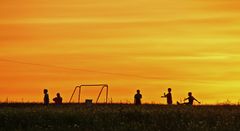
{"points": [[191, 99], [57, 100], [137, 98]]}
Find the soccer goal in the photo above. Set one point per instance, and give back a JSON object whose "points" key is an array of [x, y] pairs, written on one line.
{"points": [[78, 89]]}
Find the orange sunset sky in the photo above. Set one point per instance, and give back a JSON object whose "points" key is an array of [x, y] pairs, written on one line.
{"points": [[151, 45]]}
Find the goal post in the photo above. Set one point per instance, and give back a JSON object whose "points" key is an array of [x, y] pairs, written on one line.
{"points": [[79, 89]]}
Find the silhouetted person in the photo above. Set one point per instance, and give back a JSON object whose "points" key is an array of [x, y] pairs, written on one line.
{"points": [[168, 96], [190, 99], [58, 99], [137, 98], [46, 97]]}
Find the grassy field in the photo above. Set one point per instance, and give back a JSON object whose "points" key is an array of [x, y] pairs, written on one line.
{"points": [[28, 117]]}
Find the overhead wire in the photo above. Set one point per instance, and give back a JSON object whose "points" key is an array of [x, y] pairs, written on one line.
{"points": [[94, 71], [77, 69]]}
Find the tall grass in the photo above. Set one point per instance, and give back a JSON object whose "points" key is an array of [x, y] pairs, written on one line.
{"points": [[22, 117]]}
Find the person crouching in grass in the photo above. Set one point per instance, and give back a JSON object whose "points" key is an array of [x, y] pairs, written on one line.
{"points": [[58, 100]]}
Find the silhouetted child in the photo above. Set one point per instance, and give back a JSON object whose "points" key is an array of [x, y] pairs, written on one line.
{"points": [[190, 99], [137, 98], [168, 96], [46, 97], [58, 99]]}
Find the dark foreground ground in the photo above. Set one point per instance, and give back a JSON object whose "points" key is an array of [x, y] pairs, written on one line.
{"points": [[36, 117]]}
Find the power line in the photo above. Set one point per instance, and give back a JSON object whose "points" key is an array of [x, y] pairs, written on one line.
{"points": [[78, 69], [95, 71]]}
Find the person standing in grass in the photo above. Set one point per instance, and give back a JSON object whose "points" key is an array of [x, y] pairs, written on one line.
{"points": [[137, 98], [58, 99], [168, 96], [46, 97]]}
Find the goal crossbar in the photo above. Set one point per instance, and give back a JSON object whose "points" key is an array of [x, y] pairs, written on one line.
{"points": [[79, 88]]}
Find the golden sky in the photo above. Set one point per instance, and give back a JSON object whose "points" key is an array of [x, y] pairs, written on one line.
{"points": [[151, 45]]}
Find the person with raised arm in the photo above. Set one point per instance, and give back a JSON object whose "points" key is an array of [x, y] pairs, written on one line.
{"points": [[168, 96]]}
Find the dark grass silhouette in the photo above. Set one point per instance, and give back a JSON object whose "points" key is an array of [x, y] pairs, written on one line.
{"points": [[28, 117]]}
